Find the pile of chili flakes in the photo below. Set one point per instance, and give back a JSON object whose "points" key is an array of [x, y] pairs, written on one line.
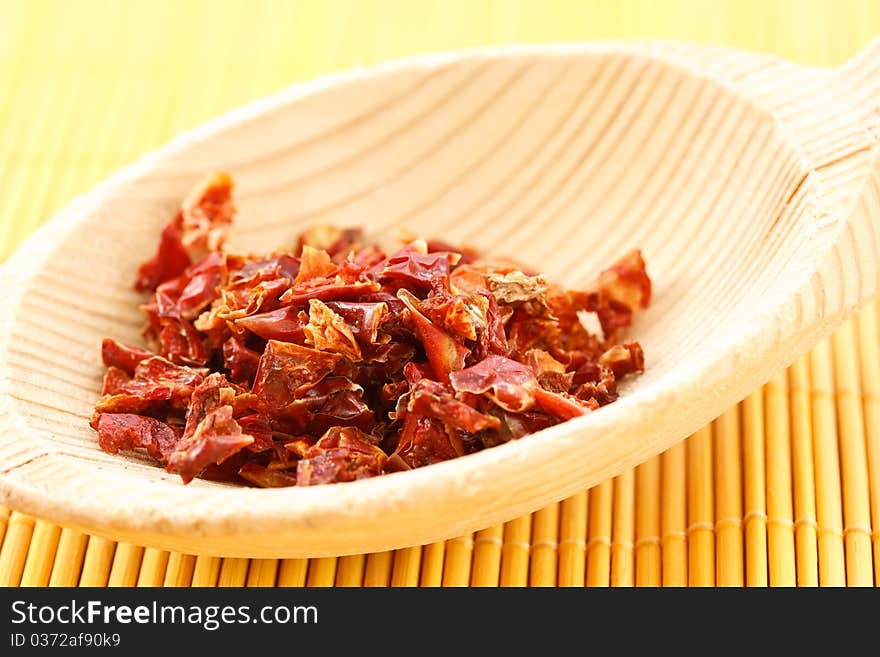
{"points": [[333, 361]]}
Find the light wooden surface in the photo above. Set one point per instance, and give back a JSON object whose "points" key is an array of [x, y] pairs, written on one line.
{"points": [[629, 20]]}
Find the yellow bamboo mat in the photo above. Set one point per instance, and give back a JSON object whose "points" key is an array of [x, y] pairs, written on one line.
{"points": [[782, 489]]}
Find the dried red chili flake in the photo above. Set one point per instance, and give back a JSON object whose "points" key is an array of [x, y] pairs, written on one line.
{"points": [[203, 283], [327, 289], [248, 296], [322, 279], [337, 242], [623, 359], [282, 264], [467, 255], [200, 227], [126, 358], [115, 380], [593, 381], [284, 324], [332, 361], [551, 374], [180, 342], [364, 319], [342, 454], [214, 391], [118, 431], [206, 215], [217, 437], [259, 428], [415, 269], [493, 340], [263, 477], [328, 331], [433, 399], [157, 384], [562, 405], [445, 353], [517, 425], [508, 384], [333, 401], [286, 369], [170, 261], [240, 361], [423, 441]]}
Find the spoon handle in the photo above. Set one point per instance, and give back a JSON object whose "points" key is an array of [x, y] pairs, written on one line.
{"points": [[862, 73], [853, 178]]}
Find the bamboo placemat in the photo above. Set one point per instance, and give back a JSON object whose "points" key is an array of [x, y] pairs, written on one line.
{"points": [[783, 489]]}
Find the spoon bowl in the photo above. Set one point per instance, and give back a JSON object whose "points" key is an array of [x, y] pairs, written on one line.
{"points": [[751, 184]]}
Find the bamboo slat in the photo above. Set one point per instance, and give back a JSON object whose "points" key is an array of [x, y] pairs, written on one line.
{"points": [[728, 500], [544, 546], [648, 554], [4, 521], [153, 566], [126, 565], [701, 537], [206, 571], [292, 572], [870, 364], [97, 562], [829, 517], [573, 541], [322, 572], [41, 554], [69, 558], [754, 486], [432, 564], [180, 568], [262, 572], [853, 459], [233, 572], [623, 530], [457, 562], [673, 517], [488, 544], [15, 547], [378, 570], [515, 552], [405, 571], [806, 541], [599, 535], [350, 570], [780, 521]]}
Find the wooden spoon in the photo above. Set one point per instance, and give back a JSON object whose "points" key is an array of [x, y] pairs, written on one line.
{"points": [[752, 185]]}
